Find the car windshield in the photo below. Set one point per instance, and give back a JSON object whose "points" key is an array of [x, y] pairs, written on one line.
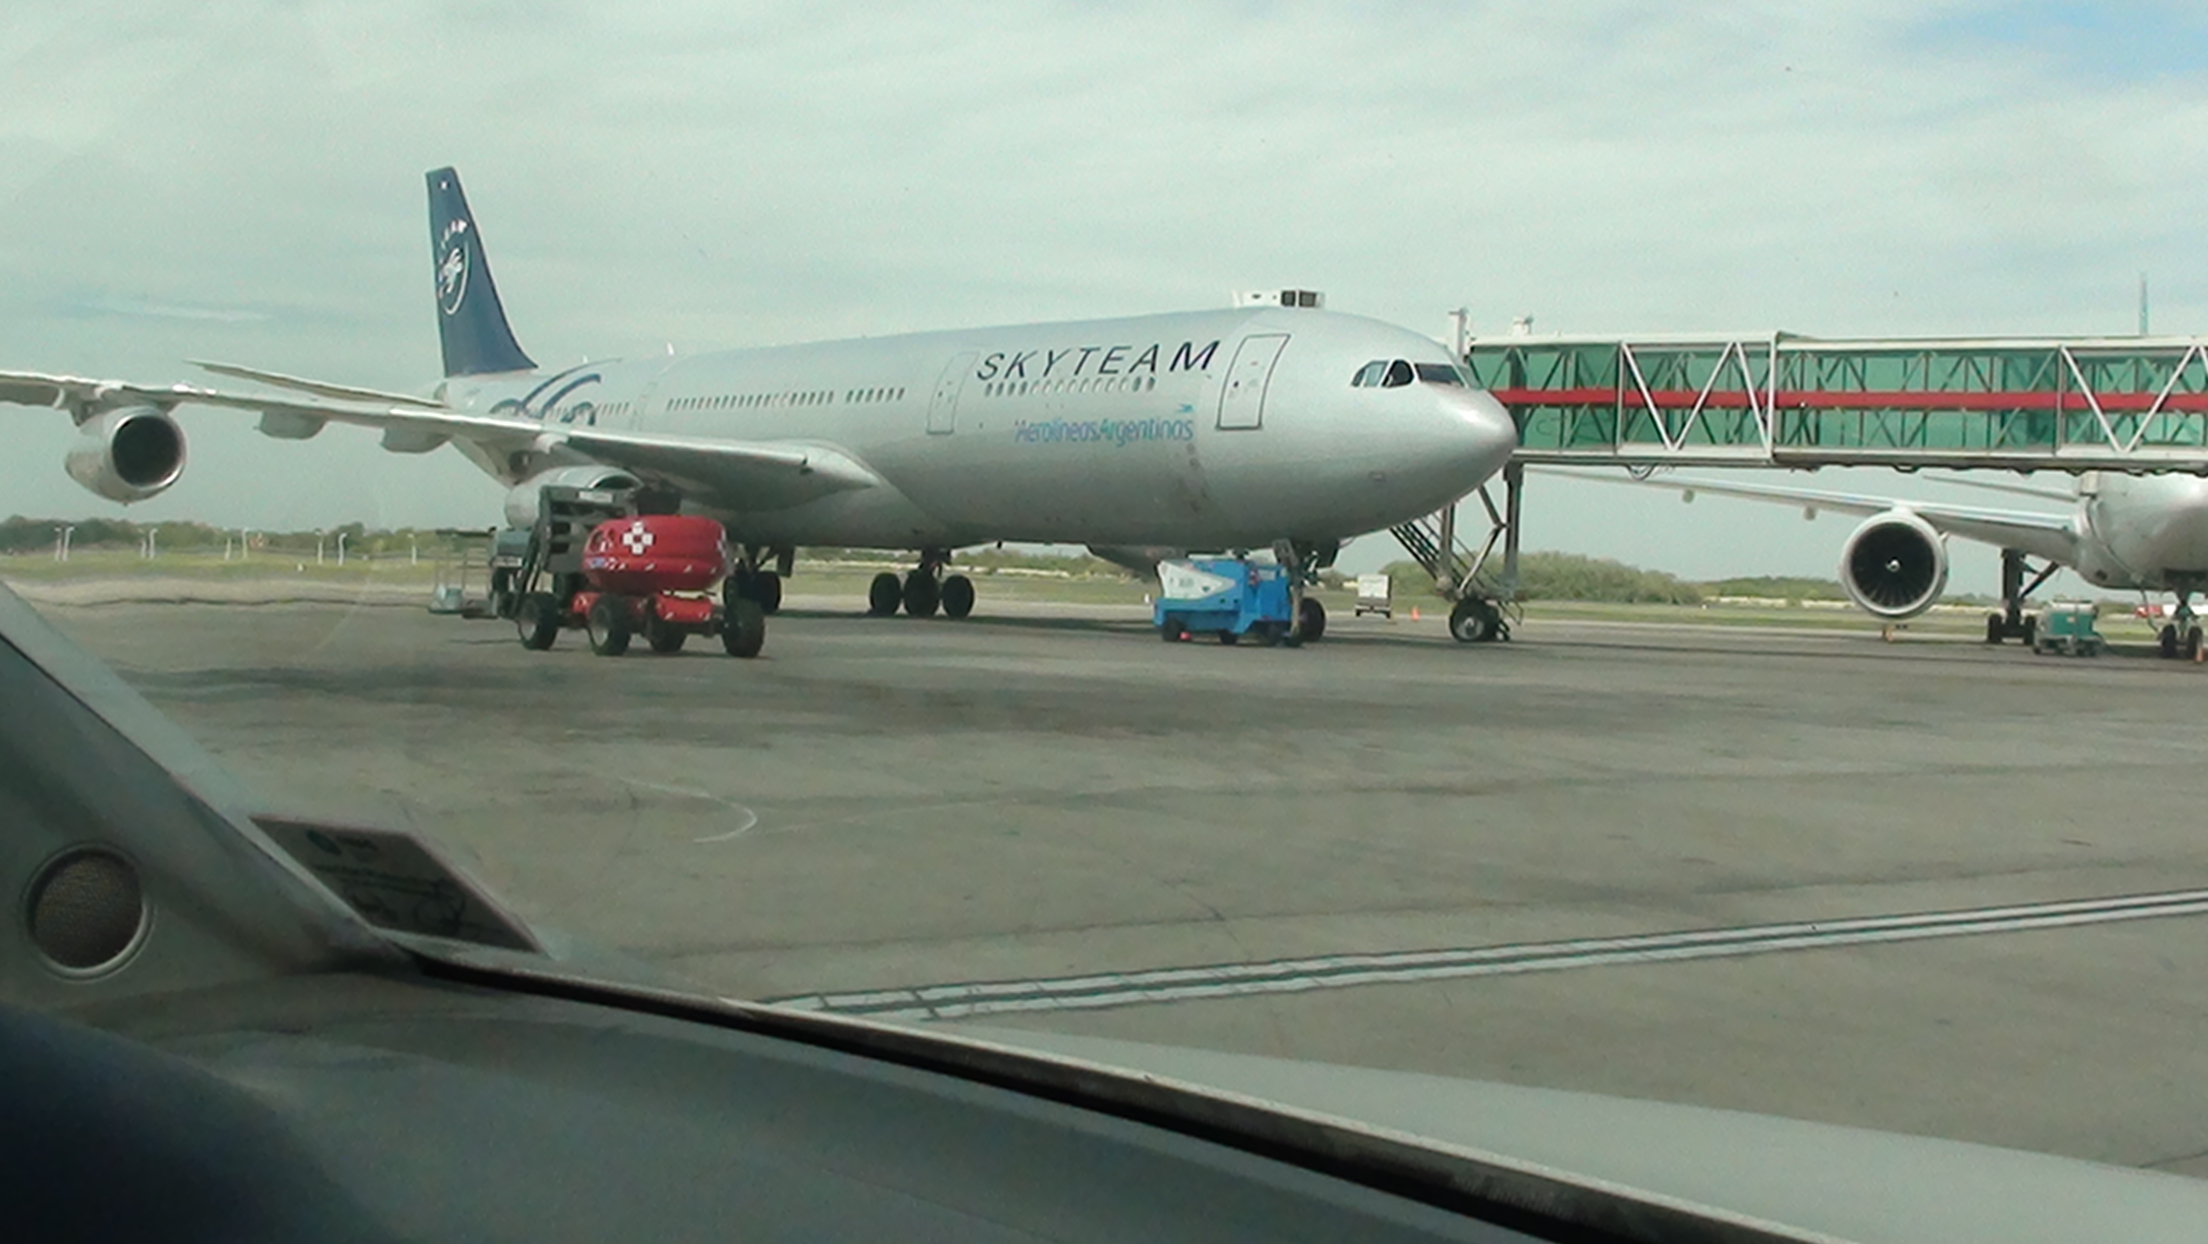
{"points": [[820, 523]]}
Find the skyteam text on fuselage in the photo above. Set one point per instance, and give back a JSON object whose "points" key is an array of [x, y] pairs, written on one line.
{"points": [[1196, 430]]}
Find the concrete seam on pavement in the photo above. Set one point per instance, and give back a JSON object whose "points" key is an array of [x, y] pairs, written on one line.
{"points": [[1093, 991]]}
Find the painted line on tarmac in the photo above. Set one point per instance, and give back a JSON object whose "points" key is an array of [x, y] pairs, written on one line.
{"points": [[963, 1000]]}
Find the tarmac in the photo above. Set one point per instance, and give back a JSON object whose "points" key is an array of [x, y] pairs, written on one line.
{"points": [[1805, 873]]}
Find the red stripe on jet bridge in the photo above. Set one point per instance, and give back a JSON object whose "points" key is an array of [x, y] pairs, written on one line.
{"points": [[1892, 399]]}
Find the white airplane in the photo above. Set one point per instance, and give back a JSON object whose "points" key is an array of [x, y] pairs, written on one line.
{"points": [[1225, 429], [2144, 533]]}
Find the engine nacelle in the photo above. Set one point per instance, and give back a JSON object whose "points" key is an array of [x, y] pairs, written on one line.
{"points": [[521, 499], [127, 454], [1894, 566]]}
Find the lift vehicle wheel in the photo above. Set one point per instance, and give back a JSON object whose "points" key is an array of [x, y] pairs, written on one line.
{"points": [[1310, 620], [1172, 630], [958, 596], [743, 628], [537, 618], [883, 595], [1229, 638], [922, 594], [608, 624], [1473, 621], [2168, 640], [662, 635]]}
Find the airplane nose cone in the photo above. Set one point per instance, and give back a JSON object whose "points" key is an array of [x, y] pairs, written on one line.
{"points": [[1481, 435]]}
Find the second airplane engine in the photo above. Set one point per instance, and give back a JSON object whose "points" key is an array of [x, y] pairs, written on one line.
{"points": [[521, 499], [1894, 566], [127, 454]]}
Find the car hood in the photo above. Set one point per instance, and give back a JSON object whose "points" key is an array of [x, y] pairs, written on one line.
{"points": [[1818, 1179]]}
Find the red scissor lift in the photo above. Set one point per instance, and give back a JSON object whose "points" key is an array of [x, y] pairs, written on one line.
{"points": [[597, 563]]}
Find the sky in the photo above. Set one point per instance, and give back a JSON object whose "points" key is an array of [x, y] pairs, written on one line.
{"points": [[243, 182]]}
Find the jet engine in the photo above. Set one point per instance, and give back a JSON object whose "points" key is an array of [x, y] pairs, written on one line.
{"points": [[127, 454], [521, 499], [1894, 566]]}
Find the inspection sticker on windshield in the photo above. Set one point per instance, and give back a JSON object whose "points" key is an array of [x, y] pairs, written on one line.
{"points": [[396, 881]]}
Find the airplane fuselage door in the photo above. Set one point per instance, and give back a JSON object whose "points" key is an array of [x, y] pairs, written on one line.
{"points": [[1242, 397], [943, 405]]}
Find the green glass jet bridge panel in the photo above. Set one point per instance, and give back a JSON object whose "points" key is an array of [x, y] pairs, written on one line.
{"points": [[2135, 404]]}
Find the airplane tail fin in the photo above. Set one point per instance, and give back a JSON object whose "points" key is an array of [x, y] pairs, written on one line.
{"points": [[470, 322]]}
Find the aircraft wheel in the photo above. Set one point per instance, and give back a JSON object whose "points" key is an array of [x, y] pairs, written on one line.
{"points": [[766, 589], [608, 625], [883, 595], [2168, 641], [663, 636], [922, 594], [958, 596], [537, 617], [1310, 620], [1996, 628], [743, 628], [1472, 621], [2192, 644], [2031, 631]]}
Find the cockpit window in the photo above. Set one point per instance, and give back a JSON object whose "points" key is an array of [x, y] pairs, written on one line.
{"points": [[1440, 373], [1382, 374]]}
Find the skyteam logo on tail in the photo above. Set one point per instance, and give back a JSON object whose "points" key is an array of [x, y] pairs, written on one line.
{"points": [[452, 266]]}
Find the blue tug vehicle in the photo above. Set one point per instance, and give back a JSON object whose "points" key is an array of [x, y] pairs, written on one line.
{"points": [[1226, 596]]}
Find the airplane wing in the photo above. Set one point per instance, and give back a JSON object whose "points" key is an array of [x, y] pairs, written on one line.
{"points": [[765, 474], [2053, 537]]}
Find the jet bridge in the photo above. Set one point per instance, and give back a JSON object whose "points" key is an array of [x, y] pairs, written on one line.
{"points": [[2132, 404], [1781, 400]]}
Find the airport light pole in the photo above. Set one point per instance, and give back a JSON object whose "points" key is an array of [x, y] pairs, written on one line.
{"points": [[340, 548], [61, 543], [319, 537], [245, 543]]}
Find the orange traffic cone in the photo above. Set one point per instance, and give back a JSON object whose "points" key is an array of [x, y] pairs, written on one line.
{"points": [[1414, 613]]}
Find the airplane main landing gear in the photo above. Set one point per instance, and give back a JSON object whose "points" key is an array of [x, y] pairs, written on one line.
{"points": [[884, 595], [2180, 637], [752, 581], [2012, 622], [923, 591], [922, 594]]}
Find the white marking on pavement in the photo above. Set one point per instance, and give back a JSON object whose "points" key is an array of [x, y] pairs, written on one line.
{"points": [[1226, 980], [747, 819]]}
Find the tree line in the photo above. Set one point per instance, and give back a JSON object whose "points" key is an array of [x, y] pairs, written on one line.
{"points": [[1601, 580], [21, 535]]}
